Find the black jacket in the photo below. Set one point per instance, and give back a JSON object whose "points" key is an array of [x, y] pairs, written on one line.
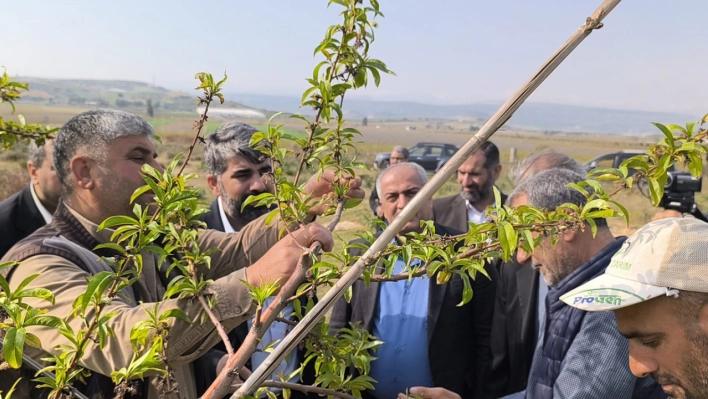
{"points": [[452, 212], [19, 217], [459, 350], [513, 328]]}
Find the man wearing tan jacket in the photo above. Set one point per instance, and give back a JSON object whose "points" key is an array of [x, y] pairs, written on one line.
{"points": [[98, 158]]}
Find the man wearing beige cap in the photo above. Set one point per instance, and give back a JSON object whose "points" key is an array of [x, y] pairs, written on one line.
{"points": [[657, 285]]}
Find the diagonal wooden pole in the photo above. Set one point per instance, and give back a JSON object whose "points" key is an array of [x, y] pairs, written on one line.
{"points": [[493, 124]]}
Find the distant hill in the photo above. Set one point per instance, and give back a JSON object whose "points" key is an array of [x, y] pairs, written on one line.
{"points": [[110, 93], [536, 116]]}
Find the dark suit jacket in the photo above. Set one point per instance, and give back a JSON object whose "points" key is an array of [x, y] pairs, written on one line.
{"points": [[452, 212], [19, 217], [238, 334], [513, 328], [458, 337]]}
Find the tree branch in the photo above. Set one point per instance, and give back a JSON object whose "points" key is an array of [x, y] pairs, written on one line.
{"points": [[221, 385], [219, 327], [303, 388]]}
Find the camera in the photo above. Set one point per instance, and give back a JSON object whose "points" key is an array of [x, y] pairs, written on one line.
{"points": [[680, 190]]}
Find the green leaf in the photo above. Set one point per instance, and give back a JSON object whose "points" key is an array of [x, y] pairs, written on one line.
{"points": [[467, 292], [117, 220], [623, 210], [507, 238], [667, 133], [13, 345], [111, 246], [94, 283]]}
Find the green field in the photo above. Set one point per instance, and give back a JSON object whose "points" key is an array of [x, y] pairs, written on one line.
{"points": [[175, 130]]}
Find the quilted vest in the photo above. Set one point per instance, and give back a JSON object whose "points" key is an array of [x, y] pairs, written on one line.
{"points": [[67, 238], [563, 322]]}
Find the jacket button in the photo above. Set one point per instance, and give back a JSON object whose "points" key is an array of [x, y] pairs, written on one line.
{"points": [[238, 309]]}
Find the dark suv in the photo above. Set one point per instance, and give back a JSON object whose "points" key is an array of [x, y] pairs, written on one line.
{"points": [[431, 156], [614, 160]]}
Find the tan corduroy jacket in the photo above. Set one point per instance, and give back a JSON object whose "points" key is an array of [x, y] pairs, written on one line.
{"points": [[187, 342]]}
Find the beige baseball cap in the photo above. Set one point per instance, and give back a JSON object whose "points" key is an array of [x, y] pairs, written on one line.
{"points": [[661, 258]]}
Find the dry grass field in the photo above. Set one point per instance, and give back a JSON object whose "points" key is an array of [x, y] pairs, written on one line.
{"points": [[379, 136]]}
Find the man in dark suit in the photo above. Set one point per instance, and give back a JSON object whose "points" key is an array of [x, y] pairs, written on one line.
{"points": [[235, 172], [520, 300], [428, 339], [476, 177], [28, 210]]}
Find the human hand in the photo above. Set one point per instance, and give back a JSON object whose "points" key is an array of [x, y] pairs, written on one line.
{"points": [[322, 188], [280, 261], [430, 393], [666, 214]]}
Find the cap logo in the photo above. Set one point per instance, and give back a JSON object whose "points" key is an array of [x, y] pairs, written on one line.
{"points": [[591, 297], [619, 264]]}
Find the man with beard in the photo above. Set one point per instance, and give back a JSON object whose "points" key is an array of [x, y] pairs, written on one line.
{"points": [[476, 177], [236, 171], [657, 286], [26, 211], [579, 354], [428, 339], [98, 157]]}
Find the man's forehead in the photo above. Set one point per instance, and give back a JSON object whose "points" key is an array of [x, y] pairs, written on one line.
{"points": [[238, 162], [129, 143], [400, 180], [475, 161]]}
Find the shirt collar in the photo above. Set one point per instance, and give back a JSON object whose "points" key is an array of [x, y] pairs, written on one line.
{"points": [[42, 210], [102, 236], [228, 228]]}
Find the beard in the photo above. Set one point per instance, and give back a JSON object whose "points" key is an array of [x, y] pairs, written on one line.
{"points": [[232, 207], [476, 193], [694, 369], [564, 264]]}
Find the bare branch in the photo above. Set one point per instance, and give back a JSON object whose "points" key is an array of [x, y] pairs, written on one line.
{"points": [[304, 388]]}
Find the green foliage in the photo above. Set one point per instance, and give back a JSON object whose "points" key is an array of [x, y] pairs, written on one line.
{"points": [[16, 316], [12, 132]]}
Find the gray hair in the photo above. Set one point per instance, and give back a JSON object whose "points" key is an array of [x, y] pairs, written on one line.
{"points": [[543, 160], [228, 141], [93, 131], [410, 165], [403, 150], [37, 154], [549, 190]]}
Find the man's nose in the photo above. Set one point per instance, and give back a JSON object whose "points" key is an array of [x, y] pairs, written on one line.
{"points": [[640, 365], [157, 165], [402, 201], [257, 184]]}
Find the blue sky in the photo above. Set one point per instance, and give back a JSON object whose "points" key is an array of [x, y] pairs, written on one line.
{"points": [[651, 54]]}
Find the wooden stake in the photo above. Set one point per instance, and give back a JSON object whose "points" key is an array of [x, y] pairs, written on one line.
{"points": [[493, 124]]}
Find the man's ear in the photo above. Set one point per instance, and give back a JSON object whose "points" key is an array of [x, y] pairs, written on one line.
{"points": [[703, 319], [213, 183], [32, 169], [81, 172], [569, 235], [496, 173]]}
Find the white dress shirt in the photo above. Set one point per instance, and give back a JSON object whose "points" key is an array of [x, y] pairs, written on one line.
{"points": [[42, 210]]}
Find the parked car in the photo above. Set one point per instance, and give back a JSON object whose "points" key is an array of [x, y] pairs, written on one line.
{"points": [[431, 156], [614, 160]]}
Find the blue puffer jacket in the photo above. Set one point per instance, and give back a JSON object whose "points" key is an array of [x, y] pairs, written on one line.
{"points": [[563, 322]]}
